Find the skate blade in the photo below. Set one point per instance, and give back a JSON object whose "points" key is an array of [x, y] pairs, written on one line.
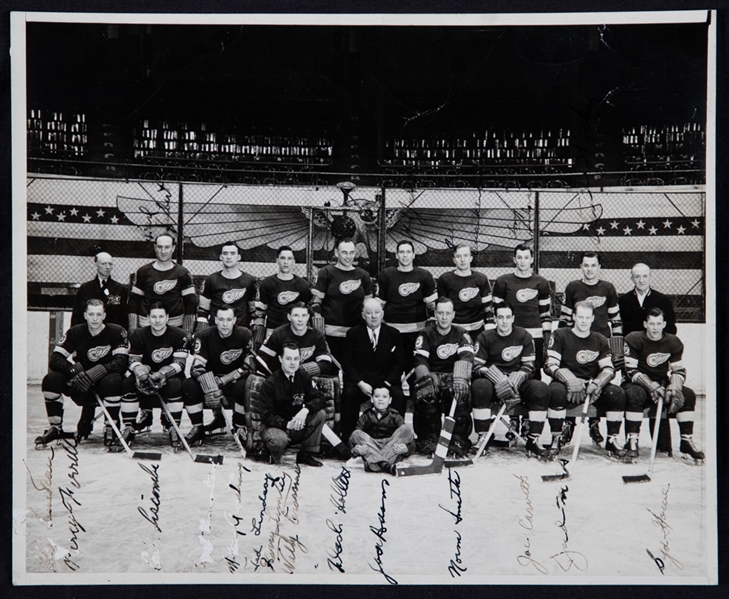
{"points": [[692, 460]]}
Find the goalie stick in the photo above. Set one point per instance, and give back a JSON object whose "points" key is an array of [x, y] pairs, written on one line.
{"points": [[578, 436], [441, 451], [200, 458], [336, 442], [646, 478], [139, 455]]}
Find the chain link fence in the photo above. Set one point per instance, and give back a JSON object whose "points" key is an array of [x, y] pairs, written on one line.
{"points": [[71, 219]]}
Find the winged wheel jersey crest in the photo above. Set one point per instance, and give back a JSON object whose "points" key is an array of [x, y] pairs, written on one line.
{"points": [[509, 353], [161, 354], [586, 356], [657, 359], [286, 297], [446, 350], [96, 353], [227, 357], [408, 289], [524, 295], [233, 295], [162, 287]]}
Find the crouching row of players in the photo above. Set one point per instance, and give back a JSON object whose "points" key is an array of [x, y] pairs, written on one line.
{"points": [[92, 359], [500, 369]]}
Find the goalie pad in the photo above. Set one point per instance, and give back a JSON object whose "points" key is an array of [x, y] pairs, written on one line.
{"points": [[424, 386], [312, 368]]}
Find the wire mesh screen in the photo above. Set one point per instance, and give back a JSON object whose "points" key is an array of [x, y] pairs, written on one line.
{"points": [[70, 220]]}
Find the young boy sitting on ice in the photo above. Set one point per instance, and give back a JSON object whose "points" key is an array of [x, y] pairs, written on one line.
{"points": [[382, 438]]}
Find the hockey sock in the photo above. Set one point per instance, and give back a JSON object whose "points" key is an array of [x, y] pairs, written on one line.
{"points": [[113, 405], [685, 424], [195, 413], [54, 408], [633, 420], [239, 416], [613, 424], [176, 406], [535, 426], [481, 419], [129, 409]]}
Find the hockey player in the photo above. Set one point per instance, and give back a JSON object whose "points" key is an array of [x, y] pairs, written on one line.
{"points": [[221, 363], [315, 356], [530, 296], [579, 362], [443, 366], [89, 359], [115, 295], [373, 355], [229, 287], [634, 307], [277, 292], [167, 282], [381, 436], [604, 299], [157, 356], [407, 293], [469, 291], [338, 294], [504, 365], [654, 368], [291, 408]]}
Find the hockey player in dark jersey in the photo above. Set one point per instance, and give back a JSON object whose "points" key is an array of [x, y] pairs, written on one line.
{"points": [[604, 299], [115, 295], [167, 282], [291, 408], [654, 368], [277, 292], [530, 296], [503, 369], [338, 294], [469, 291], [407, 293], [221, 363], [157, 356], [229, 287], [580, 364], [315, 356], [443, 367], [89, 359]]}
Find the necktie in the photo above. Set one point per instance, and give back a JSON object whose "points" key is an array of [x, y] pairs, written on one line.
{"points": [[374, 340]]}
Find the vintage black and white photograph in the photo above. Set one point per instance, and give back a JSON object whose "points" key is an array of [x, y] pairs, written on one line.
{"points": [[368, 299]]}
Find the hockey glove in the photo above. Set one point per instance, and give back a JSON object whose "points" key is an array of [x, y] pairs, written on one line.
{"points": [[157, 380], [595, 386], [311, 368], [317, 323], [517, 379], [424, 386], [212, 394], [655, 389], [141, 375], [674, 394], [231, 377], [461, 376], [503, 389], [188, 324], [575, 386], [81, 381]]}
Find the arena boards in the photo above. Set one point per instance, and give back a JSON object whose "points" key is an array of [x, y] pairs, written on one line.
{"points": [[83, 516]]}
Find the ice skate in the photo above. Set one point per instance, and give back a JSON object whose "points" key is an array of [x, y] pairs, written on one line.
{"points": [[689, 451]]}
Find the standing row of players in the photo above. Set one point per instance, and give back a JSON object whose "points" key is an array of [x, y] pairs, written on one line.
{"points": [[407, 292]]}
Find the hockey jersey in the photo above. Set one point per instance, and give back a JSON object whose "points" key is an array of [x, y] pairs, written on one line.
{"points": [[342, 293], [406, 294], [508, 353], [654, 358], [275, 295], [158, 351], [109, 347], [586, 357], [238, 293], [174, 288], [471, 297], [440, 352], [312, 344], [221, 355], [529, 296], [604, 298]]}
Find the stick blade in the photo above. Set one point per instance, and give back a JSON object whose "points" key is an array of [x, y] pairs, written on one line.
{"points": [[147, 455], [640, 478], [435, 467], [549, 478], [208, 459], [458, 463]]}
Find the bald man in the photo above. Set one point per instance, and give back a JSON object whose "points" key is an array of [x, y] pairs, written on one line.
{"points": [[373, 356], [635, 304], [114, 295]]}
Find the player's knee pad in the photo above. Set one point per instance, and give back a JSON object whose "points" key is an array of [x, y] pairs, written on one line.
{"points": [[128, 385], [54, 382], [557, 396], [636, 397], [110, 385], [191, 392], [482, 393], [689, 400], [612, 398], [537, 395], [173, 387]]}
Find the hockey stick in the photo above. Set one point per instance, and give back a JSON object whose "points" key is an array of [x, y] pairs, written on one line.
{"points": [[512, 430], [200, 458], [441, 451], [578, 435], [229, 426], [646, 478], [482, 446], [139, 455]]}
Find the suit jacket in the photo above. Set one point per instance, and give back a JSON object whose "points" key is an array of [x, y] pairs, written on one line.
{"points": [[633, 315], [362, 363], [114, 295]]}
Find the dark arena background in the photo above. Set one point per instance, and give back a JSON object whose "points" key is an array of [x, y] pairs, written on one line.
{"points": [[567, 138]]}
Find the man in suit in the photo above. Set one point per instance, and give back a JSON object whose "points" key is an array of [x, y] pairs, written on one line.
{"points": [[102, 287], [373, 355]]}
